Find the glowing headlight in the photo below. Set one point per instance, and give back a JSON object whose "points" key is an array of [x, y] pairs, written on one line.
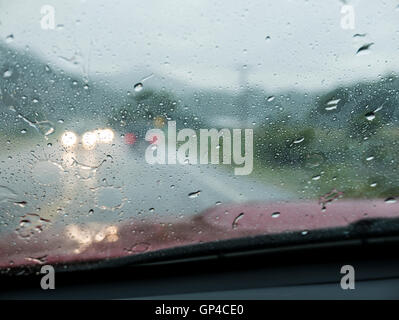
{"points": [[68, 139], [105, 135], [89, 140]]}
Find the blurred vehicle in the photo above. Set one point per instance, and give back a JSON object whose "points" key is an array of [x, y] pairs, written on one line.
{"points": [[88, 139]]}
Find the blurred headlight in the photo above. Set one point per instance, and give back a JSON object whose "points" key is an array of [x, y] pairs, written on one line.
{"points": [[105, 135], [89, 140], [68, 139]]}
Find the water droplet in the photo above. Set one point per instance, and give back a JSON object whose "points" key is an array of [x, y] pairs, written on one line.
{"points": [[21, 204], [10, 38], [330, 108], [370, 158], [296, 141], [24, 223], [332, 104], [139, 248], [304, 232], [194, 194], [7, 74], [138, 87], [38, 260], [270, 98], [30, 224], [329, 197], [390, 200], [359, 35], [333, 101], [45, 127], [275, 214], [370, 116], [235, 222], [364, 48]]}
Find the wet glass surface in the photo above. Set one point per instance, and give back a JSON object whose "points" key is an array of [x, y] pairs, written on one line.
{"points": [[90, 91]]}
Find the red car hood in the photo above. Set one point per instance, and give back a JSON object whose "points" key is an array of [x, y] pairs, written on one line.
{"points": [[95, 241]]}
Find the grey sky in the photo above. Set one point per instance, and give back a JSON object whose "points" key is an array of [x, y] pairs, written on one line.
{"points": [[204, 43]]}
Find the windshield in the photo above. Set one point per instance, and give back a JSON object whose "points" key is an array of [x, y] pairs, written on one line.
{"points": [[128, 127]]}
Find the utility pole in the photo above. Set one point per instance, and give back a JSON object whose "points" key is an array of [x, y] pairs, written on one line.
{"points": [[243, 95]]}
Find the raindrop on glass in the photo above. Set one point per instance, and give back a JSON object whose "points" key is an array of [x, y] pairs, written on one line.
{"points": [[390, 200], [138, 87], [194, 194], [370, 116], [364, 48], [10, 38], [7, 74], [275, 214]]}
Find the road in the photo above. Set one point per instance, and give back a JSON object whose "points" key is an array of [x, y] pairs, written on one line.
{"points": [[67, 205], [113, 183]]}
